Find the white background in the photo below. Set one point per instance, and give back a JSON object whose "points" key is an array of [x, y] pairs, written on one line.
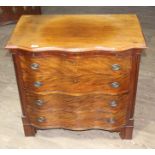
{"points": [[77, 2]]}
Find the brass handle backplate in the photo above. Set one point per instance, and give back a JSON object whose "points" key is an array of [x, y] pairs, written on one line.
{"points": [[113, 103], [34, 66], [39, 102], [116, 67], [41, 119], [38, 84], [115, 84]]}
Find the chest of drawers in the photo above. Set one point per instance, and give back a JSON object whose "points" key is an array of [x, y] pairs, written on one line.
{"points": [[77, 72]]}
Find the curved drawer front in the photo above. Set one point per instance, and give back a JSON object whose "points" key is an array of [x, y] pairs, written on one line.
{"points": [[83, 103], [75, 65], [77, 121], [84, 84]]}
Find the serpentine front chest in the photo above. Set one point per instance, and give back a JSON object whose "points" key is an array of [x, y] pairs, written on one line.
{"points": [[77, 72]]}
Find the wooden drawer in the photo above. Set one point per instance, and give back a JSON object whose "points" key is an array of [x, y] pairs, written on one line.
{"points": [[82, 103], [77, 121], [75, 65], [78, 85]]}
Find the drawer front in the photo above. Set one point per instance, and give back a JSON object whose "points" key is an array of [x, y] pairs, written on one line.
{"points": [[75, 65], [84, 84], [77, 121], [84, 103]]}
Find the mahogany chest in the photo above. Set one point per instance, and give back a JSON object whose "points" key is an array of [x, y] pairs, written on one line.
{"points": [[77, 72]]}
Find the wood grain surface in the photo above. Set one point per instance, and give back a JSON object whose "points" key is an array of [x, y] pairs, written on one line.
{"points": [[83, 103], [77, 74], [77, 85], [77, 33], [75, 65], [77, 120]]}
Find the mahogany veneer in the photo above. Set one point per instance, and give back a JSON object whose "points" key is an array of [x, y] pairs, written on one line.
{"points": [[77, 72]]}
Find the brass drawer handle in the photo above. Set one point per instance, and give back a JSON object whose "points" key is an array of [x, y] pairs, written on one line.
{"points": [[41, 119], [34, 66], [116, 67], [38, 84], [39, 102], [111, 120], [115, 84], [113, 103]]}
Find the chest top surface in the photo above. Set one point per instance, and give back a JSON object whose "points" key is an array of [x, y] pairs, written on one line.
{"points": [[35, 33]]}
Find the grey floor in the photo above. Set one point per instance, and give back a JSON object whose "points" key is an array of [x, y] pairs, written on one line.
{"points": [[11, 131]]}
